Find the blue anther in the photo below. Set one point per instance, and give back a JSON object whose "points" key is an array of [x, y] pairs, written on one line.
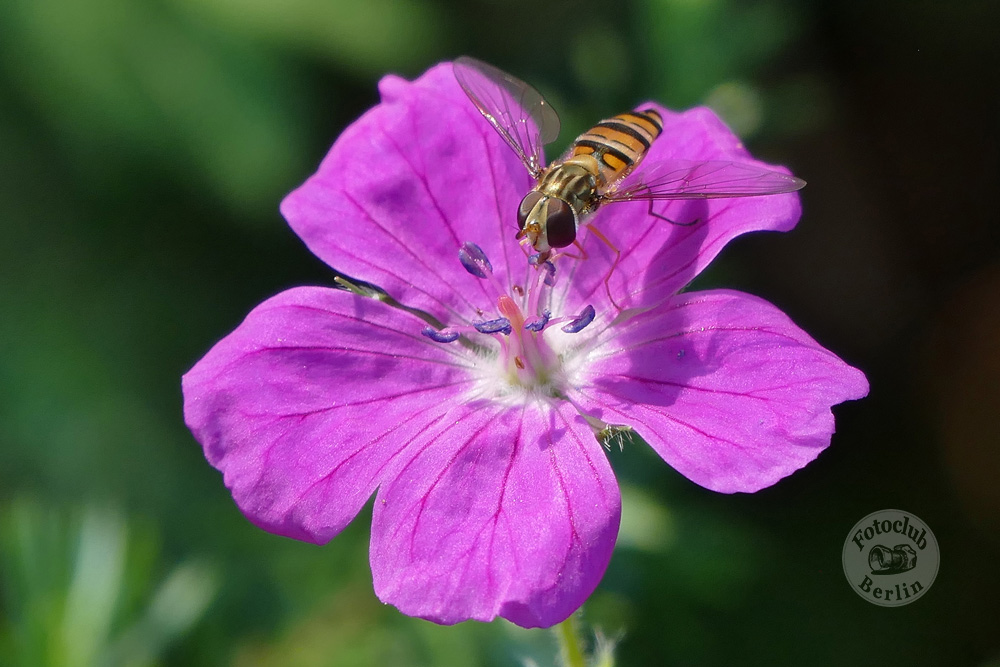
{"points": [[581, 321], [550, 278], [549, 267], [474, 260], [440, 336], [539, 324], [500, 325]]}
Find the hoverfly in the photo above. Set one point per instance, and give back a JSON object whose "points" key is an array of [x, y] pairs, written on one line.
{"points": [[593, 170]]}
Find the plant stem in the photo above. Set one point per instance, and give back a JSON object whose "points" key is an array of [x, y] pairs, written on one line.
{"points": [[570, 650]]}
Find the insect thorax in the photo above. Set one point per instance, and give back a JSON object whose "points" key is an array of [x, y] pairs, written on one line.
{"points": [[574, 181]]}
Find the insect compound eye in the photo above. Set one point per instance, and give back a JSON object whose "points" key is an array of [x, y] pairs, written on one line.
{"points": [[524, 210], [560, 224]]}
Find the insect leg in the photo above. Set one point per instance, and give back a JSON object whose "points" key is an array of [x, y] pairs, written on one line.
{"points": [[583, 253], [672, 222], [618, 255]]}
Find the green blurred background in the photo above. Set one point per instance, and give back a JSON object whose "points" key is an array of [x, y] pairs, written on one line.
{"points": [[144, 147]]}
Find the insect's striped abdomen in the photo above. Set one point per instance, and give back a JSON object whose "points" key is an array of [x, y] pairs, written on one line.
{"points": [[619, 143]]}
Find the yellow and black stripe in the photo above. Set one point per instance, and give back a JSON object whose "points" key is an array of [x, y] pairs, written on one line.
{"points": [[619, 143]]}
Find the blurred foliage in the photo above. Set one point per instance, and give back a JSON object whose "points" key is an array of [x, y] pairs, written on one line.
{"points": [[133, 85], [78, 591], [368, 38], [146, 145]]}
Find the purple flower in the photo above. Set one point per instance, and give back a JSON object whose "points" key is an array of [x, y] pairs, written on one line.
{"points": [[493, 497]]}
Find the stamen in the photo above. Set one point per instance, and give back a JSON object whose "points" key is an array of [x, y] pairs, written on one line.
{"points": [[444, 336], [550, 277], [478, 264], [546, 269], [377, 293], [500, 325], [581, 321], [367, 291], [474, 260], [539, 324]]}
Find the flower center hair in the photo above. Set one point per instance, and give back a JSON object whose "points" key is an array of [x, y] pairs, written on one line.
{"points": [[526, 361]]}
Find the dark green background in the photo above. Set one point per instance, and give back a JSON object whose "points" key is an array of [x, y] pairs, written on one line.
{"points": [[144, 147]]}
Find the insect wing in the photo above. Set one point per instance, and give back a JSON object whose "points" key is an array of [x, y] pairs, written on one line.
{"points": [[516, 110], [688, 179]]}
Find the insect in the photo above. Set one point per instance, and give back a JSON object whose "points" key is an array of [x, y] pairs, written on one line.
{"points": [[593, 171]]}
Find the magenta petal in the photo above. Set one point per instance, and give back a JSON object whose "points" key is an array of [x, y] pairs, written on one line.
{"points": [[493, 496], [724, 387], [505, 511], [658, 258], [405, 186], [304, 405]]}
